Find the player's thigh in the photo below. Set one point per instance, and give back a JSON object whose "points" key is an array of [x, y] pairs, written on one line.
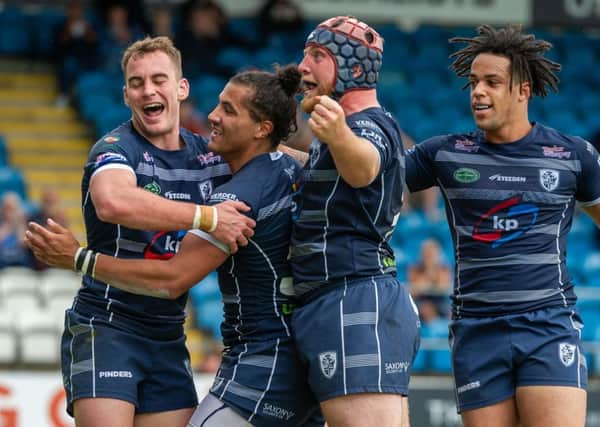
{"points": [[176, 418], [364, 410], [211, 412], [502, 414], [551, 406], [101, 412], [405, 412]]}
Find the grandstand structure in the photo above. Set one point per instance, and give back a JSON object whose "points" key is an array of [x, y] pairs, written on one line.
{"points": [[43, 144]]}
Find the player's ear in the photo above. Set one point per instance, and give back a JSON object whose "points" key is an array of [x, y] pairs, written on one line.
{"points": [[183, 89], [265, 127], [524, 91], [125, 96]]}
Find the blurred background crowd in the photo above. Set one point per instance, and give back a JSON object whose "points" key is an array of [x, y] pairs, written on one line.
{"points": [[61, 89]]}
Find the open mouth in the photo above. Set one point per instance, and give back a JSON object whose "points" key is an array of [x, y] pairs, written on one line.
{"points": [[481, 107], [308, 86], [215, 132], [153, 109]]}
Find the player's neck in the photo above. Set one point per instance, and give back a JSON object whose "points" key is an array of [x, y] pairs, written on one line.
{"points": [[358, 100], [509, 133], [238, 160], [170, 141]]}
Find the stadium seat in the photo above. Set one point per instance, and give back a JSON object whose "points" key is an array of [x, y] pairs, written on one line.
{"points": [[19, 289], [58, 288], [8, 338], [205, 92], [15, 32], [45, 22], [233, 58], [438, 354], [39, 336], [12, 180], [3, 152], [209, 316], [591, 267], [206, 290], [421, 362], [244, 27], [595, 355]]}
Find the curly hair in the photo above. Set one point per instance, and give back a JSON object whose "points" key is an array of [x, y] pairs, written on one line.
{"points": [[524, 51], [274, 98]]}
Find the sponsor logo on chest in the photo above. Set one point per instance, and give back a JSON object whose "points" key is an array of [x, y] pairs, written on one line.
{"points": [[466, 175]]}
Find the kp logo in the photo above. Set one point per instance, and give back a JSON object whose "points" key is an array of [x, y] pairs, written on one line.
{"points": [[505, 221], [328, 363], [566, 353], [549, 179]]}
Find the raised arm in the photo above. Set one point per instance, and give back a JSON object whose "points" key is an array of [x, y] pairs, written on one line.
{"points": [[119, 200], [356, 159], [57, 246]]}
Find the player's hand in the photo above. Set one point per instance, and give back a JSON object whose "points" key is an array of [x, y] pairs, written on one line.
{"points": [[233, 228], [327, 120], [53, 244]]}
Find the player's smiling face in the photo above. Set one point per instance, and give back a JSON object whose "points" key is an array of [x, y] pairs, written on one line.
{"points": [[153, 91], [232, 127], [318, 76], [495, 105]]}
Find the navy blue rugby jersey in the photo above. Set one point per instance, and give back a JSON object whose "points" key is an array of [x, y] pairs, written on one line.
{"points": [[256, 281], [509, 207], [340, 231], [189, 174]]}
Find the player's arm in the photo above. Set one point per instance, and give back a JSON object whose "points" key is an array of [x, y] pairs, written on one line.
{"points": [[56, 246], [119, 200], [300, 156], [356, 159], [420, 166]]}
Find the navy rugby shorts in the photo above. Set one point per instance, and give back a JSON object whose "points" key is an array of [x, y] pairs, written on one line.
{"points": [[102, 359], [360, 336], [492, 356], [265, 382]]}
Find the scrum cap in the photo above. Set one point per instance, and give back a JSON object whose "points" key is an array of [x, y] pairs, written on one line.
{"points": [[356, 50]]}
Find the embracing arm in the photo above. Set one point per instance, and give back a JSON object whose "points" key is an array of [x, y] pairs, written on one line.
{"points": [[119, 200], [56, 246]]}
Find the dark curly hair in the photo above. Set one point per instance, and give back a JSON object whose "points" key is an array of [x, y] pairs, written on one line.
{"points": [[525, 52], [274, 98]]}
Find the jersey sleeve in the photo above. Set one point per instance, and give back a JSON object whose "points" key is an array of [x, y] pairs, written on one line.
{"points": [[420, 170], [110, 153], [588, 184], [372, 132]]}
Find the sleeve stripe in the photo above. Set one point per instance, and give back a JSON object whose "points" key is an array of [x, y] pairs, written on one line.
{"points": [[211, 239]]}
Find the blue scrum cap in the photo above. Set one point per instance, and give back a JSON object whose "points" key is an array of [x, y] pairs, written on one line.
{"points": [[356, 50]]}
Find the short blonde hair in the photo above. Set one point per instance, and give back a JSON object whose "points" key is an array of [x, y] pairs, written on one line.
{"points": [[153, 44]]}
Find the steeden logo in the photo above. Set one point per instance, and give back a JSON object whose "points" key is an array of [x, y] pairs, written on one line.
{"points": [[466, 175]]}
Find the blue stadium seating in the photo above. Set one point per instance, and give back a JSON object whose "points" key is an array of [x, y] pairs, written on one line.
{"points": [[3, 152], [209, 315], [207, 289], [16, 31], [12, 180], [111, 117], [46, 23]]}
